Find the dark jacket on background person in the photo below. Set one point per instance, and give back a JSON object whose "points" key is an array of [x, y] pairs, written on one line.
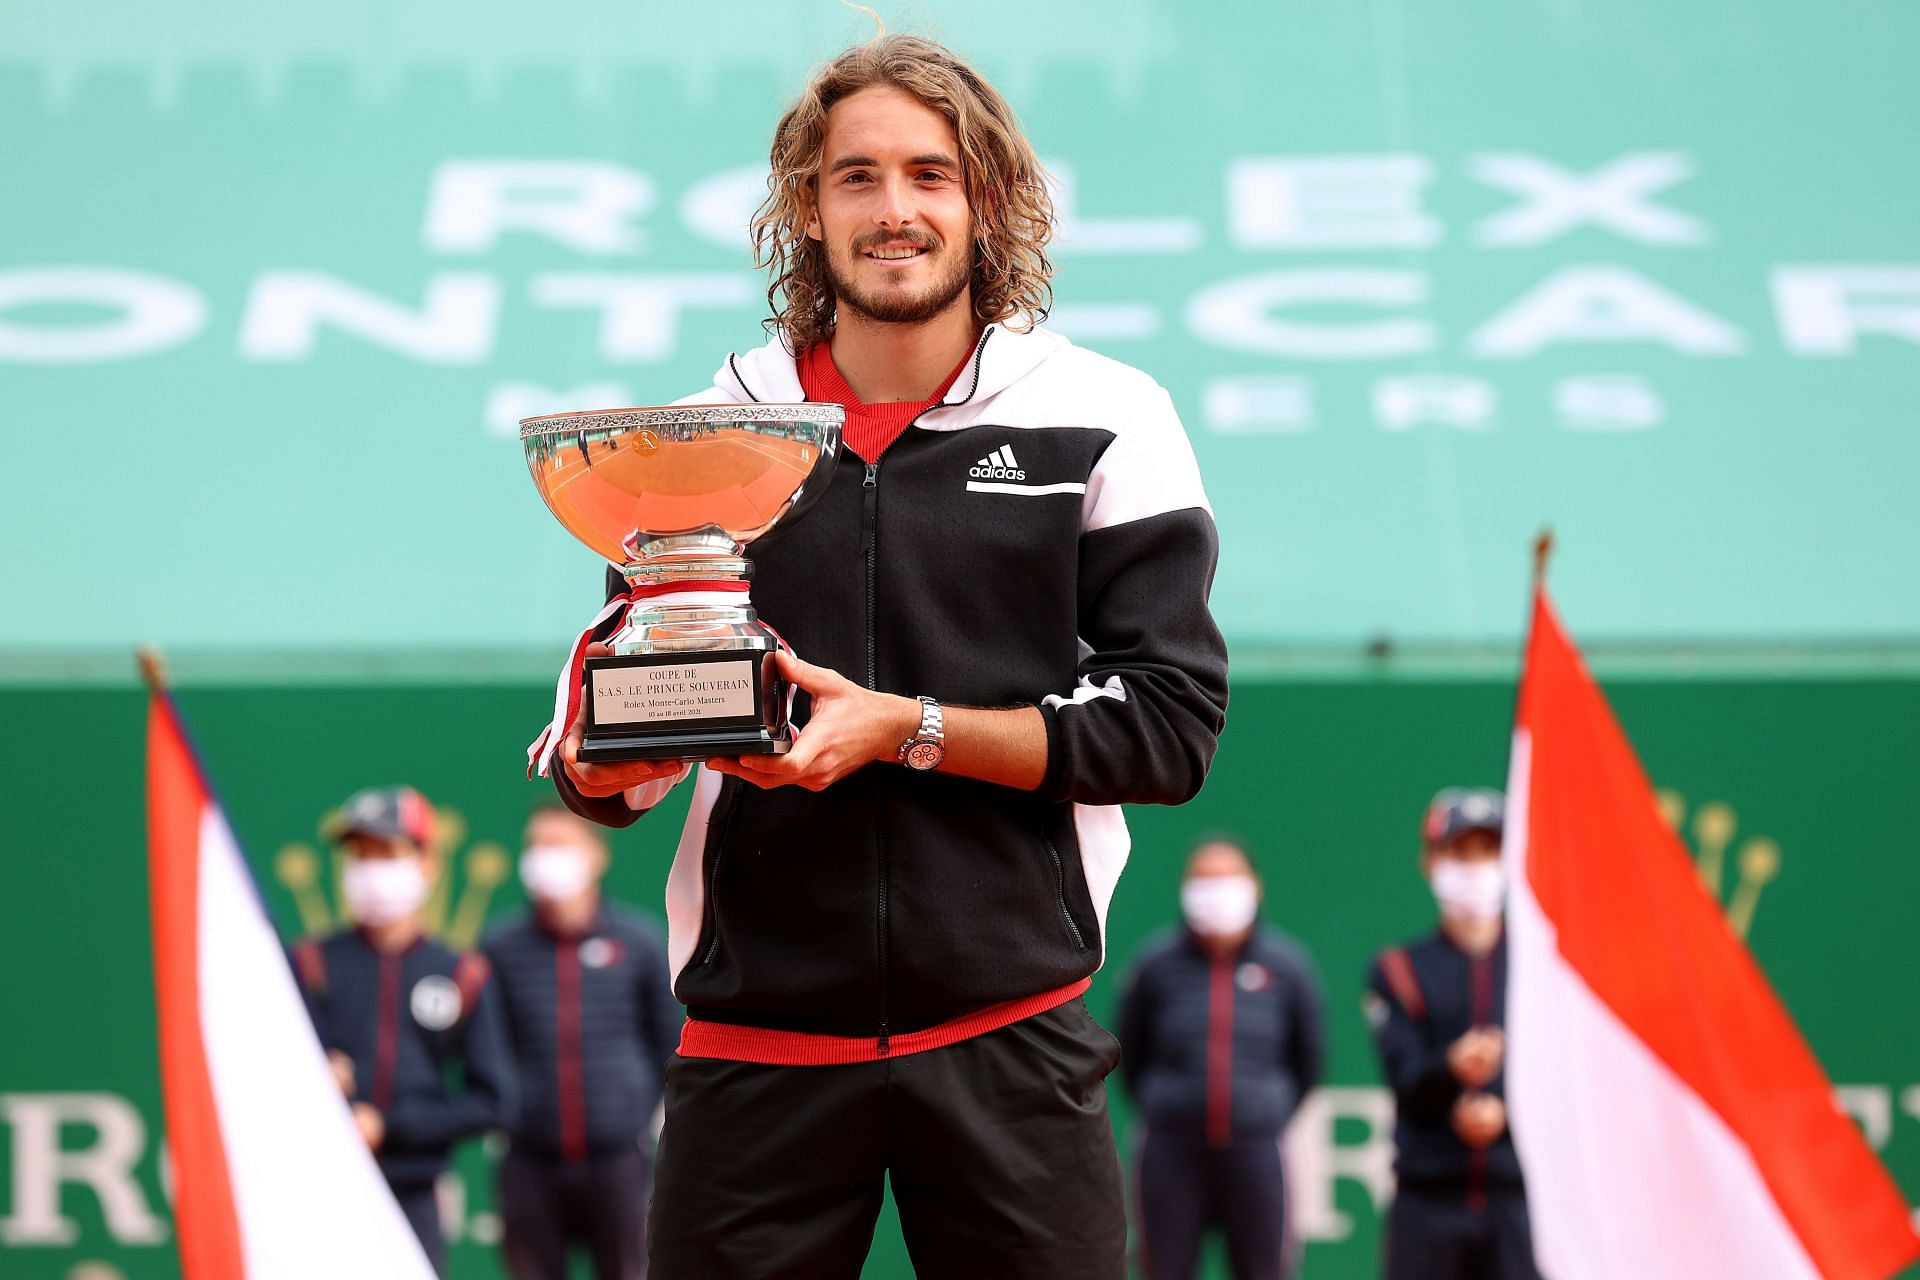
{"points": [[592, 1021], [1074, 579], [1420, 998], [405, 1018], [1226, 1046]]}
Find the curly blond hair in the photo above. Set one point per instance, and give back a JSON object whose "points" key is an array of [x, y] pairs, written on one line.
{"points": [[1006, 188]]}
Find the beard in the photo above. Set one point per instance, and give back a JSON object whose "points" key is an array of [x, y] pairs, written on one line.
{"points": [[899, 304]]}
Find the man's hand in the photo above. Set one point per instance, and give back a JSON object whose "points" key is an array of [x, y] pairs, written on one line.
{"points": [[342, 1070], [597, 781], [851, 726], [373, 1125], [1475, 1057], [1479, 1119]]}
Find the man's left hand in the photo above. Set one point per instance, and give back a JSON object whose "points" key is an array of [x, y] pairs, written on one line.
{"points": [[851, 727], [1479, 1119]]}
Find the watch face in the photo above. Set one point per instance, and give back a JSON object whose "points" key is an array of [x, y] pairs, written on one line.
{"points": [[925, 755]]}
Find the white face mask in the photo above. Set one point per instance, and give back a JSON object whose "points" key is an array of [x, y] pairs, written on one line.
{"points": [[1470, 890], [1217, 906], [555, 872], [381, 891]]}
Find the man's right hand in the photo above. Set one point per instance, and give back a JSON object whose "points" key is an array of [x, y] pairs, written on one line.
{"points": [[597, 781], [1475, 1057], [342, 1070], [372, 1125]]}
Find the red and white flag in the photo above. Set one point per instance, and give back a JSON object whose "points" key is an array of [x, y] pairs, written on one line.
{"points": [[271, 1179], [1672, 1122]]}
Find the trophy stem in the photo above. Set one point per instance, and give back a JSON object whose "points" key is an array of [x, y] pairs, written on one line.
{"points": [[692, 597], [707, 556]]}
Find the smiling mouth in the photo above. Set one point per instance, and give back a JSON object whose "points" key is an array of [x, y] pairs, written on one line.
{"points": [[896, 255]]}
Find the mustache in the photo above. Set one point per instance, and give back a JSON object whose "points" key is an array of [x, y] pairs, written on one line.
{"points": [[880, 239]]}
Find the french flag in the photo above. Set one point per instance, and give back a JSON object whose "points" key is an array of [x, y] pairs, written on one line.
{"points": [[271, 1179], [1672, 1122]]}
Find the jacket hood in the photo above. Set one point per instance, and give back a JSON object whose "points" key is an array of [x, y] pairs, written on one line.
{"points": [[1001, 357]]}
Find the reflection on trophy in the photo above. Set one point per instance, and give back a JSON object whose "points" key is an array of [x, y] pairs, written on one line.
{"points": [[671, 497]]}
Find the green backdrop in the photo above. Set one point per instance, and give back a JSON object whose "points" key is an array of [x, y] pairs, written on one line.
{"points": [[1327, 777]]}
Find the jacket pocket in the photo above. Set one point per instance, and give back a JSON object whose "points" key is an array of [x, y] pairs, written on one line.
{"points": [[1060, 891]]}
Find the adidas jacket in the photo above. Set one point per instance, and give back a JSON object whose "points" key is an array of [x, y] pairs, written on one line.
{"points": [[1039, 537]]}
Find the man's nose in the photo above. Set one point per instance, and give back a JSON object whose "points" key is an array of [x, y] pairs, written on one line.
{"points": [[896, 207]]}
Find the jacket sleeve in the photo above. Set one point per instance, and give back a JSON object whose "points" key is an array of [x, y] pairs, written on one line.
{"points": [[1137, 1016], [309, 976], [1306, 1054], [487, 1097], [1143, 720], [1423, 1085], [660, 1013], [624, 809]]}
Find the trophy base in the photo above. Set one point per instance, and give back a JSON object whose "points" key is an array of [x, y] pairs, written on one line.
{"points": [[693, 744], [686, 704]]}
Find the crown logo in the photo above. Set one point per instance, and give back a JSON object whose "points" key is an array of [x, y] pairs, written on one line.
{"points": [[1713, 828], [480, 870]]}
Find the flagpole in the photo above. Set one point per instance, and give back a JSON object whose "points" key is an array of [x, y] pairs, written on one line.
{"points": [[1542, 552], [153, 668]]}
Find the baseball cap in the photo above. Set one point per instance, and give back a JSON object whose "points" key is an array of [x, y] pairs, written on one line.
{"points": [[1458, 810], [384, 811]]}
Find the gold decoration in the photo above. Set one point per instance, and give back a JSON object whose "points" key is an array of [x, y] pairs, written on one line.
{"points": [[1714, 828], [297, 867], [483, 868], [486, 866], [1759, 864]]}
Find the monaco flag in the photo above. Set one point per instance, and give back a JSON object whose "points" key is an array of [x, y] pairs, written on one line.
{"points": [[271, 1180], [1672, 1123]]}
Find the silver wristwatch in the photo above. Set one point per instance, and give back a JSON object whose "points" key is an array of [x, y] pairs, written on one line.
{"points": [[928, 745]]}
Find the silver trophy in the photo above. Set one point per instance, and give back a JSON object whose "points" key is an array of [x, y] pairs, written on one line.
{"points": [[671, 497]]}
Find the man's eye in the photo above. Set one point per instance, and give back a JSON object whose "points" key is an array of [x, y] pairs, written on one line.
{"points": [[856, 177]]}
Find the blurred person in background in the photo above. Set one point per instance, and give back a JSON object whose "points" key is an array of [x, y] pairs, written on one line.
{"points": [[1437, 1006], [1222, 1034], [592, 1021], [399, 1013]]}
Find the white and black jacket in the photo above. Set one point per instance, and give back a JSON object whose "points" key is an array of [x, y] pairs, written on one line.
{"points": [[1039, 537]]}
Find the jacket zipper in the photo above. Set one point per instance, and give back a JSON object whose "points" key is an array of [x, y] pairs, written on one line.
{"points": [[1060, 890], [1480, 981], [870, 532], [1219, 1123], [713, 878]]}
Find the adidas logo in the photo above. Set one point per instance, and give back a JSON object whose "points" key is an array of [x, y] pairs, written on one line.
{"points": [[998, 465]]}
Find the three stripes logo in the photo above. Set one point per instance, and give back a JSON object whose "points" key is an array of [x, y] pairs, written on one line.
{"points": [[998, 465]]}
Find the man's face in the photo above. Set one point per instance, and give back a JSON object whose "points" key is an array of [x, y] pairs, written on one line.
{"points": [[890, 208], [1216, 860], [387, 878], [1221, 896], [563, 831]]}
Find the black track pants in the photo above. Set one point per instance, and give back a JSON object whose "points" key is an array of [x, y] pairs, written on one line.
{"points": [[422, 1208], [999, 1150], [1184, 1186], [549, 1206], [1436, 1235]]}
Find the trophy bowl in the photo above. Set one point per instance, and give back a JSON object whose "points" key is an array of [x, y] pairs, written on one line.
{"points": [[671, 497]]}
